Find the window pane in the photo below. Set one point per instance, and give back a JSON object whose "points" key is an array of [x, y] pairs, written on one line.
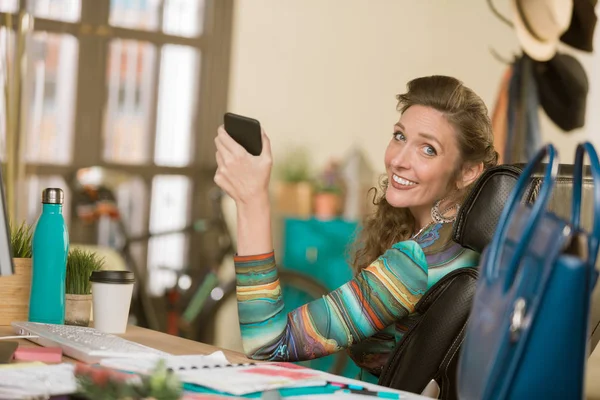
{"points": [[49, 95], [9, 6], [7, 46], [170, 203], [177, 93], [140, 14], [132, 199], [183, 17], [62, 10], [130, 92], [35, 186]]}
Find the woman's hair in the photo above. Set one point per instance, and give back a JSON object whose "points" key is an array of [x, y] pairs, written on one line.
{"points": [[467, 113]]}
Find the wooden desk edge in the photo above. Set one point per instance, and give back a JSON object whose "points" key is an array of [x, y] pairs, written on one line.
{"points": [[158, 340]]}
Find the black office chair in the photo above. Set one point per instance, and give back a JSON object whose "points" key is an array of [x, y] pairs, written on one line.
{"points": [[428, 355], [425, 361]]}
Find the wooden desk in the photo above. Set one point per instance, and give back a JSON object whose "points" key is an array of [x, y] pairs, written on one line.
{"points": [[158, 340]]}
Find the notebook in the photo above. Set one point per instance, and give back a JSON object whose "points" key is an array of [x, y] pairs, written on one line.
{"points": [[176, 363], [215, 372], [244, 379]]}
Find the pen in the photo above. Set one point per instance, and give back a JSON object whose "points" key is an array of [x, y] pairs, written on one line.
{"points": [[367, 392], [357, 389]]}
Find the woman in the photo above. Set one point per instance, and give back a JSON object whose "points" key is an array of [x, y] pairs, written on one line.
{"points": [[440, 145]]}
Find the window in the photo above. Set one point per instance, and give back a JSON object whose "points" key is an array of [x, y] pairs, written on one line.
{"points": [[135, 14], [50, 97], [9, 6], [114, 86], [183, 17], [176, 105], [6, 63], [130, 82], [180, 17], [62, 10], [169, 212]]}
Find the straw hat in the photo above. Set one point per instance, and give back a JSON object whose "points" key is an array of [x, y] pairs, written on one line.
{"points": [[539, 25]]}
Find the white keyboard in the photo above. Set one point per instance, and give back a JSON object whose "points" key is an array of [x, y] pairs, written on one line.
{"points": [[85, 344]]}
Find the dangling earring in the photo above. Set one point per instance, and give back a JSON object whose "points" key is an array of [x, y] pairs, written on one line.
{"points": [[438, 216]]}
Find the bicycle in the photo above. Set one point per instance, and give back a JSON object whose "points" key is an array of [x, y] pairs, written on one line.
{"points": [[192, 311]]}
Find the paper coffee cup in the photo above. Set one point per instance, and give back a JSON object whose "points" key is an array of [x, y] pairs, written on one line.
{"points": [[111, 297]]}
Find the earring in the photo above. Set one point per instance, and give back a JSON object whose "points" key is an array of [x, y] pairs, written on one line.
{"points": [[438, 216]]}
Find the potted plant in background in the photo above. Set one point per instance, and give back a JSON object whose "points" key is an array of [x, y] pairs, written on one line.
{"points": [[14, 289], [329, 192], [80, 265], [293, 189]]}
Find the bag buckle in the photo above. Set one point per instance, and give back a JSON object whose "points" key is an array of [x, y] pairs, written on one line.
{"points": [[517, 319]]}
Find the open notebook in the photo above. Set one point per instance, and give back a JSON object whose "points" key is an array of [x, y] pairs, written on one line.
{"points": [[215, 372]]}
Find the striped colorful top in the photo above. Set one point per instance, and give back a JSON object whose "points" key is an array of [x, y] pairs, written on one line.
{"points": [[367, 316]]}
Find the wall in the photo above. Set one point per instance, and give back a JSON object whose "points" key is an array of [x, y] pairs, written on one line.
{"points": [[324, 74]]}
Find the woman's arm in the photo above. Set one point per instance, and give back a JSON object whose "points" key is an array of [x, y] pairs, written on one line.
{"points": [[254, 226], [380, 295], [245, 178]]}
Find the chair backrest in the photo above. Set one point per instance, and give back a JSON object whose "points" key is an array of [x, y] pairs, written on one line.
{"points": [[478, 217], [430, 349]]}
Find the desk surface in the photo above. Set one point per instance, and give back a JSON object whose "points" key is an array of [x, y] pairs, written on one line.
{"points": [[158, 340]]}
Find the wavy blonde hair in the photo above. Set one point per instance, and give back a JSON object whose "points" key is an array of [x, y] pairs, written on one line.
{"points": [[468, 114]]}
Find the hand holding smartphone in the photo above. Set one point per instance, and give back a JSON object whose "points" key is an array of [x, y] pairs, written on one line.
{"points": [[246, 131]]}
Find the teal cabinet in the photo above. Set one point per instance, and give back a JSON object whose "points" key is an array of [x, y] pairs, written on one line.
{"points": [[320, 250]]}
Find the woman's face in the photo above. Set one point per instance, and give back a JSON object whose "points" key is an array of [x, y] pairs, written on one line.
{"points": [[421, 161]]}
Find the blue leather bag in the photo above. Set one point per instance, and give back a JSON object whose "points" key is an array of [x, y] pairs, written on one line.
{"points": [[528, 330]]}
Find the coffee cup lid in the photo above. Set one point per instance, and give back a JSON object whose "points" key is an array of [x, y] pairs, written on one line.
{"points": [[112, 277]]}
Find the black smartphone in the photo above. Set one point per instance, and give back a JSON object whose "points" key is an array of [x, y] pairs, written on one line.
{"points": [[246, 131]]}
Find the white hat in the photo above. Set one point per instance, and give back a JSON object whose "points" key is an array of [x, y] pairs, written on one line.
{"points": [[539, 25]]}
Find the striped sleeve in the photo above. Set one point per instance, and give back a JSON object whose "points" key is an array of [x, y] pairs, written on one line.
{"points": [[381, 294]]}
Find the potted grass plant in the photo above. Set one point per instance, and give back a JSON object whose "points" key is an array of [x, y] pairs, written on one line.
{"points": [[20, 240], [80, 265], [15, 289]]}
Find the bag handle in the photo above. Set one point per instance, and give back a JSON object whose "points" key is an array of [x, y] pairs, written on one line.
{"points": [[594, 239], [539, 206]]}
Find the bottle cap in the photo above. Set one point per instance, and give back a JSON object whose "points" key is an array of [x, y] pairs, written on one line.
{"points": [[53, 196]]}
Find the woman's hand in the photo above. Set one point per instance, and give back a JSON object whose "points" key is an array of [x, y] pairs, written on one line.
{"points": [[241, 175]]}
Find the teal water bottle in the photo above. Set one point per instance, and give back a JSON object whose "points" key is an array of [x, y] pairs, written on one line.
{"points": [[50, 247]]}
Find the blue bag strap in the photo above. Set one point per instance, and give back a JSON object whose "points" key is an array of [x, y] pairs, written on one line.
{"points": [[551, 171], [594, 237]]}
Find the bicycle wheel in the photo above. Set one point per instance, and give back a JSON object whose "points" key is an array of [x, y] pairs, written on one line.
{"points": [[218, 323]]}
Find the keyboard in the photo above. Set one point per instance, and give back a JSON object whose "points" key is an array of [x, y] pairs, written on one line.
{"points": [[85, 344]]}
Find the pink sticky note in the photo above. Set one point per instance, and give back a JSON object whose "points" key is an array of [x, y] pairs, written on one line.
{"points": [[44, 354]]}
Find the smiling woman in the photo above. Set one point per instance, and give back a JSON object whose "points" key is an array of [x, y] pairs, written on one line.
{"points": [[440, 145]]}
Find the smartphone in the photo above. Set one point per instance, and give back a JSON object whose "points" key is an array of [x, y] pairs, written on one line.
{"points": [[246, 131]]}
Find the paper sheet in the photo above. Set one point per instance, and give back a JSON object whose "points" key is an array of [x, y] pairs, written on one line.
{"points": [[249, 379], [46, 380]]}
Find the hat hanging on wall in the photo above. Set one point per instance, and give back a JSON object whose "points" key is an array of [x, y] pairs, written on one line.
{"points": [[580, 34], [539, 25], [563, 89]]}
